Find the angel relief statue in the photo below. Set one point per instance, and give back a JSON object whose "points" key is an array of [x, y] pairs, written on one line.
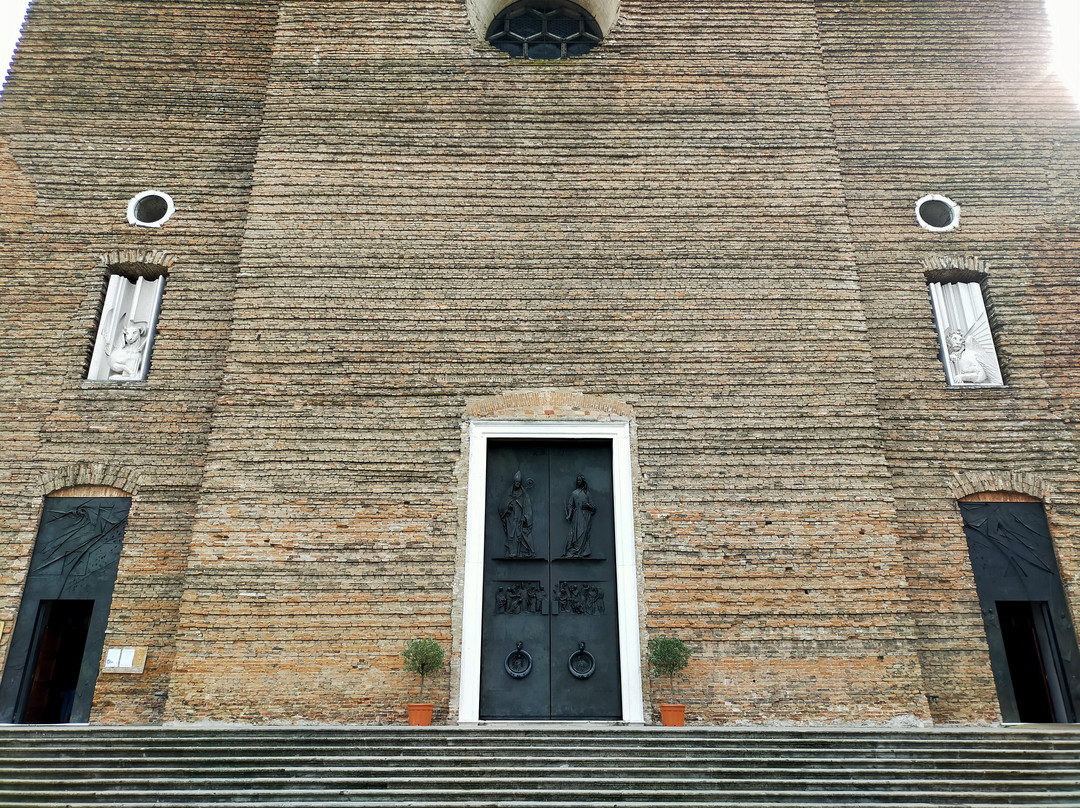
{"points": [[969, 361], [126, 329], [124, 353], [967, 344]]}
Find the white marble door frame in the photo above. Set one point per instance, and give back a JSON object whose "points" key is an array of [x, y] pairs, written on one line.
{"points": [[625, 553]]}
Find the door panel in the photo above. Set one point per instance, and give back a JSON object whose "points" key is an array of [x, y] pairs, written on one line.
{"points": [[563, 610], [515, 585]]}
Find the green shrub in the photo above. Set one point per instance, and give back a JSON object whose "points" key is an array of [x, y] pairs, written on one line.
{"points": [[423, 657], [668, 656]]}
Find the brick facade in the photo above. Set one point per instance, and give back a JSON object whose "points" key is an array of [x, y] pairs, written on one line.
{"points": [[386, 230]]}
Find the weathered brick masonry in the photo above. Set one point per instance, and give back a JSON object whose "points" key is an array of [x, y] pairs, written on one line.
{"points": [[933, 101], [107, 99], [386, 230]]}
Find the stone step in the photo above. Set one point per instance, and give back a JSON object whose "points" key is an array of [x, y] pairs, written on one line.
{"points": [[737, 801], [48, 767], [411, 780], [536, 757], [9, 741], [564, 745], [256, 766], [537, 763], [908, 796], [556, 750], [585, 731], [630, 740]]}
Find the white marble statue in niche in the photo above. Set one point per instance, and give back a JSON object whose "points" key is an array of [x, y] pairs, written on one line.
{"points": [[125, 360], [967, 346], [125, 333]]}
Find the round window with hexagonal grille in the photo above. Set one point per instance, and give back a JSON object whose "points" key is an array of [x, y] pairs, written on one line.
{"points": [[544, 30]]}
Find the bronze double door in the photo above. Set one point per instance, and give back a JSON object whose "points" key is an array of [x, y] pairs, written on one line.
{"points": [[550, 646]]}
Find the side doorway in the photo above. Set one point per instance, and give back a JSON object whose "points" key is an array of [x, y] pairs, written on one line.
{"points": [[1029, 630], [550, 636], [52, 663]]}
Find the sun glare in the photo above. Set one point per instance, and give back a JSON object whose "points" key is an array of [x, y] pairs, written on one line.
{"points": [[1064, 18]]}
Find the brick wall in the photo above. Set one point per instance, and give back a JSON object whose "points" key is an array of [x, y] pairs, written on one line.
{"points": [[106, 100], [663, 225], [973, 116], [705, 227]]}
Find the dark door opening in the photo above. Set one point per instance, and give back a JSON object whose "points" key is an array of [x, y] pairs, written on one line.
{"points": [[1029, 632], [52, 659], [59, 643], [1035, 664]]}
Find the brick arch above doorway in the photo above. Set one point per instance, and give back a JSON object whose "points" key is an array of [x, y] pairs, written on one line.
{"points": [[149, 263], [117, 480], [999, 496], [548, 404], [1031, 485]]}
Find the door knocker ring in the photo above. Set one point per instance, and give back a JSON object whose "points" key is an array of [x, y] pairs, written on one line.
{"points": [[518, 663], [582, 664]]}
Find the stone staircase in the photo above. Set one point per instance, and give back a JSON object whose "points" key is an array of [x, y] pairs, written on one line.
{"points": [[521, 766]]}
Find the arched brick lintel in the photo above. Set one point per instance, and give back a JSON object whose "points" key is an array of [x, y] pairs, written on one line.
{"points": [[548, 404], [135, 263], [107, 475], [964, 485], [955, 268]]}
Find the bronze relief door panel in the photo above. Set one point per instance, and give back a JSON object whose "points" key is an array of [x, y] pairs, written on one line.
{"points": [[550, 622]]}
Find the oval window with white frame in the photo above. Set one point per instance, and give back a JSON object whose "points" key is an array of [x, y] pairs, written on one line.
{"points": [[150, 209], [937, 213]]}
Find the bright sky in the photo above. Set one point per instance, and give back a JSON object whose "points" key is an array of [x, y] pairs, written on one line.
{"points": [[11, 17], [1064, 17]]}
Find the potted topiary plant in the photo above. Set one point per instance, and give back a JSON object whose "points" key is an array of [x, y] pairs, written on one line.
{"points": [[422, 657], [668, 656]]}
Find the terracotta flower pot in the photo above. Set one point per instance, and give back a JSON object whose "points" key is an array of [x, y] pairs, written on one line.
{"points": [[673, 715], [420, 715]]}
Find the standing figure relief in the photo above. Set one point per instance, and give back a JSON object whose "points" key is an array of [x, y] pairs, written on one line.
{"points": [[579, 513], [517, 520]]}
